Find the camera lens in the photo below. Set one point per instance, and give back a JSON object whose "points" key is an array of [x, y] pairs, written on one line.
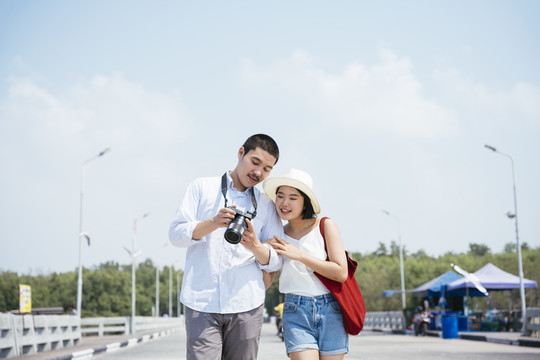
{"points": [[236, 229]]}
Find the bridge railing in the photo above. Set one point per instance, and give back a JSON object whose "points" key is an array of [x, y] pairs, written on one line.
{"points": [[104, 325], [121, 325], [533, 322], [384, 320], [30, 334]]}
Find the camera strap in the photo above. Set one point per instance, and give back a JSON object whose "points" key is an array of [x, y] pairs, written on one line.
{"points": [[224, 188]]}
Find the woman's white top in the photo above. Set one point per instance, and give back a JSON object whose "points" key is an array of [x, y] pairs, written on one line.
{"points": [[297, 278]]}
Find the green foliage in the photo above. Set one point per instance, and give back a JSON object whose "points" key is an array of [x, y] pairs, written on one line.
{"points": [[479, 249], [273, 296], [106, 290], [107, 287]]}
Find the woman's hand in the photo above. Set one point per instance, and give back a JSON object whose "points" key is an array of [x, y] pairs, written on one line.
{"points": [[284, 248]]}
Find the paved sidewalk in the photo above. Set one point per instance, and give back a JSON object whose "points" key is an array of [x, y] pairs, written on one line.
{"points": [[508, 338], [95, 345]]}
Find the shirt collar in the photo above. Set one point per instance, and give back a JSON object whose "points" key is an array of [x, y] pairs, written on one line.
{"points": [[230, 185]]}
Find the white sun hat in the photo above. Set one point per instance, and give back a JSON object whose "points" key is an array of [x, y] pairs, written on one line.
{"points": [[298, 179]]}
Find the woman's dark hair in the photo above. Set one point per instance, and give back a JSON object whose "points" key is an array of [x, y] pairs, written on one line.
{"points": [[308, 211], [264, 142]]}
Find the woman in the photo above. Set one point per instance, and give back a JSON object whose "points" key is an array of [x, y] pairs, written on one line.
{"points": [[312, 321]]}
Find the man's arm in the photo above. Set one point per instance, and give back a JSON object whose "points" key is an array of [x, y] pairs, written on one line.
{"points": [[185, 221], [205, 227]]}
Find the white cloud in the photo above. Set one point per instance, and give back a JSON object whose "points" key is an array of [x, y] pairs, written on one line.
{"points": [[519, 104], [46, 134], [108, 105], [385, 97]]}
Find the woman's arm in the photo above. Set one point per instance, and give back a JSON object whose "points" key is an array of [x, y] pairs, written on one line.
{"points": [[268, 278], [334, 269]]}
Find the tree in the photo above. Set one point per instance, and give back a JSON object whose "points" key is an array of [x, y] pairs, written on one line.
{"points": [[510, 247], [478, 249], [381, 250]]}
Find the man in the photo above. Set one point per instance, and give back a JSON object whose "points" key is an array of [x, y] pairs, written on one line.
{"points": [[222, 288]]}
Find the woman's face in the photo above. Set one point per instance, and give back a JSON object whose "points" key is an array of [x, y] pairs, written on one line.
{"points": [[289, 203]]}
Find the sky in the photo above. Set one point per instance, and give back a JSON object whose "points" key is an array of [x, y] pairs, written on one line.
{"points": [[387, 104]]}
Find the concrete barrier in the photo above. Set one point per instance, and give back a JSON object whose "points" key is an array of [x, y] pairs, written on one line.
{"points": [[384, 320], [29, 334], [146, 323], [533, 322], [120, 325]]}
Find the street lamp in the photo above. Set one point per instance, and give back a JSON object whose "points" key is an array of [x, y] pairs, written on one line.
{"points": [[157, 291], [170, 292], [157, 282], [134, 255], [178, 295], [83, 235], [403, 301], [520, 264], [171, 289]]}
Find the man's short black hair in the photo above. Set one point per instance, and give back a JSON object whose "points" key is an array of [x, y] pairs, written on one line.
{"points": [[264, 142]]}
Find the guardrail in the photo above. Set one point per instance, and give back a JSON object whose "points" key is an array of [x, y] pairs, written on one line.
{"points": [[105, 325], [121, 325], [384, 320], [533, 321], [29, 334]]}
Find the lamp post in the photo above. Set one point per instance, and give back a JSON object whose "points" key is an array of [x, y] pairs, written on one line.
{"points": [[157, 283], [170, 292], [157, 291], [403, 300], [520, 264], [134, 254], [81, 234], [171, 289], [178, 295]]}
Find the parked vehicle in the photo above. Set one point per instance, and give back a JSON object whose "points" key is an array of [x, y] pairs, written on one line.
{"points": [[421, 322]]}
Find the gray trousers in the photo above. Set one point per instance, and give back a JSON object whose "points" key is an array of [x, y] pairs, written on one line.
{"points": [[213, 336]]}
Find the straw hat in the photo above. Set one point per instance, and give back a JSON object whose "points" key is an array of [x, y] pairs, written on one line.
{"points": [[298, 179]]}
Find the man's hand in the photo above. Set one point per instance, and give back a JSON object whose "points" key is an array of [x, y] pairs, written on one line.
{"points": [[250, 242], [224, 217]]}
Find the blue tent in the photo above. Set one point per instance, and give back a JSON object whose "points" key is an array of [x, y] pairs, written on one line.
{"points": [[490, 277], [433, 287]]}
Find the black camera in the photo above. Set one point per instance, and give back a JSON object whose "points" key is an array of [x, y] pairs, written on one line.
{"points": [[237, 226]]}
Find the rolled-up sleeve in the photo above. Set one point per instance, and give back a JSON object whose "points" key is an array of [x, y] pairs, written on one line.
{"points": [[275, 262], [185, 220], [273, 226]]}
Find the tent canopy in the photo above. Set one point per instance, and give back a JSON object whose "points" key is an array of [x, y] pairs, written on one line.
{"points": [[492, 278], [433, 287]]}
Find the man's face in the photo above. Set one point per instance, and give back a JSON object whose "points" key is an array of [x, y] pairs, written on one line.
{"points": [[254, 167]]}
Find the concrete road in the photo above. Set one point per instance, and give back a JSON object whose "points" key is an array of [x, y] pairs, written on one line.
{"points": [[367, 345]]}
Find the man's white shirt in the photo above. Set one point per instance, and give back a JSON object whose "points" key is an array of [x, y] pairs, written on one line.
{"points": [[220, 277]]}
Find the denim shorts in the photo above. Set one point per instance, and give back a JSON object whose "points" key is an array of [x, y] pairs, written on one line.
{"points": [[314, 323]]}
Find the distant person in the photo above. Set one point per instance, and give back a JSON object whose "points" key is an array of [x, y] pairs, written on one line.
{"points": [[72, 310], [278, 312], [312, 320], [223, 290]]}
